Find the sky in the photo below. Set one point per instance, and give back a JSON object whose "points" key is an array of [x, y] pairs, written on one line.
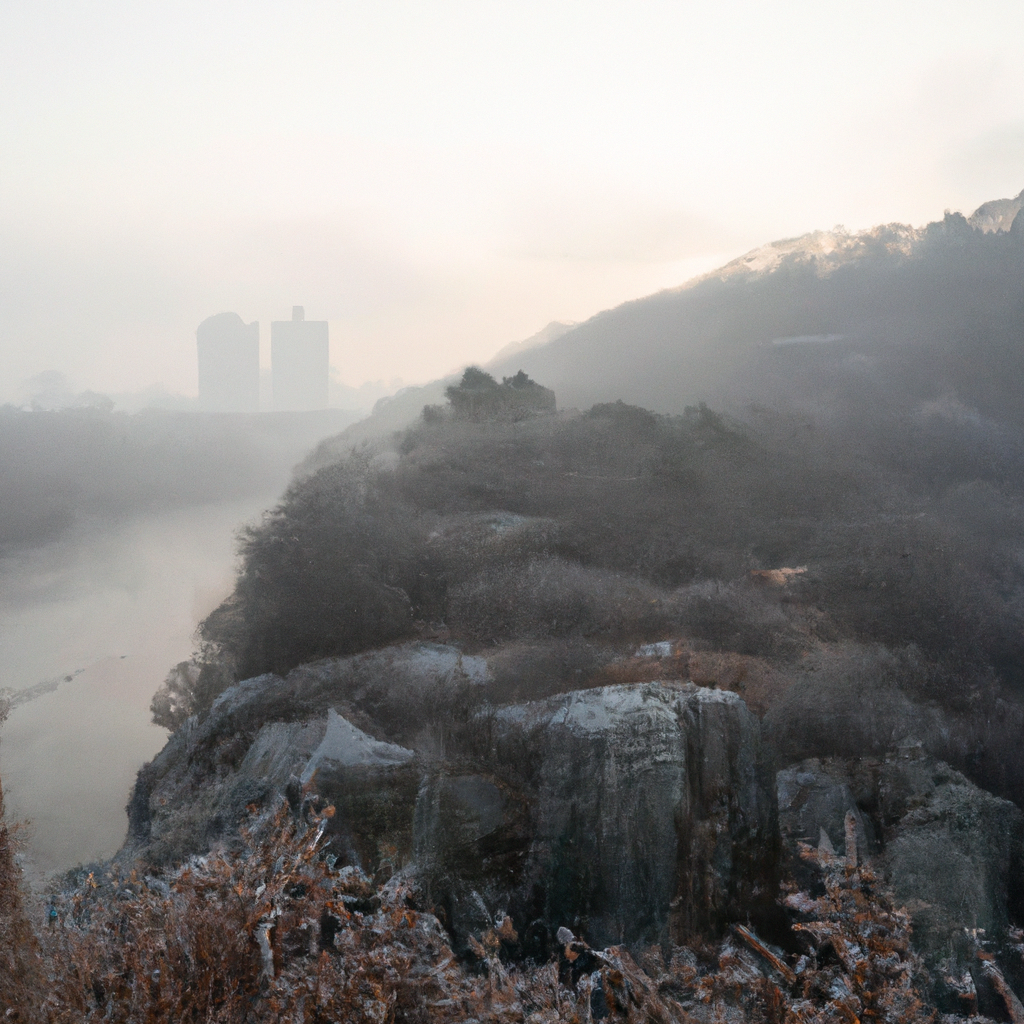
{"points": [[438, 179]]}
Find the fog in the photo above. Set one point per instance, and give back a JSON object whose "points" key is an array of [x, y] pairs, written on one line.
{"points": [[118, 606], [485, 487], [438, 184], [889, 357], [117, 537]]}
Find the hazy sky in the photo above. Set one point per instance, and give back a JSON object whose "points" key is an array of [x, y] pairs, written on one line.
{"points": [[440, 178]]}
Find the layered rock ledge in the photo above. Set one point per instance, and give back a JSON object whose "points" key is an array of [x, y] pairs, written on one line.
{"points": [[629, 813]]}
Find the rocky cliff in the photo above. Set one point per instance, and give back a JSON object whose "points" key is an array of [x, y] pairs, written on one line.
{"points": [[629, 813], [645, 811]]}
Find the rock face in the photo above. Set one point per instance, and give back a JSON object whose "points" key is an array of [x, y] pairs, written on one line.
{"points": [[814, 798], [334, 718], [346, 746], [625, 813], [636, 812], [953, 854], [633, 812]]}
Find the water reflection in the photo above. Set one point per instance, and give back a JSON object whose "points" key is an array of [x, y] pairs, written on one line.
{"points": [[121, 605]]}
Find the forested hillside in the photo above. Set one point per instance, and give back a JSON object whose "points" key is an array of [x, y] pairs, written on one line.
{"points": [[882, 558], [880, 320]]}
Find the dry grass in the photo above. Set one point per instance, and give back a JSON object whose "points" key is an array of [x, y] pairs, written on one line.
{"points": [[273, 932], [21, 962]]}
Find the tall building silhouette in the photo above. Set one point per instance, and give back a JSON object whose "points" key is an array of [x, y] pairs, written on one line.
{"points": [[299, 360], [229, 364]]}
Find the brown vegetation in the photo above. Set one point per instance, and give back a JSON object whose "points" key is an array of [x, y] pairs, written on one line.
{"points": [[21, 965], [270, 931], [615, 528]]}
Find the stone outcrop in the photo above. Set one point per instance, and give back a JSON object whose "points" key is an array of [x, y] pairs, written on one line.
{"points": [[814, 799], [952, 853], [356, 722], [625, 813], [631, 812]]}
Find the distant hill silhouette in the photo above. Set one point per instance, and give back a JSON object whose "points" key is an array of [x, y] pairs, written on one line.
{"points": [[895, 315], [828, 323]]}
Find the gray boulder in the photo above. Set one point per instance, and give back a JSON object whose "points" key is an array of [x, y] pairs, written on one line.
{"points": [[952, 853], [626, 813], [388, 692], [193, 794], [346, 746], [264, 730]]}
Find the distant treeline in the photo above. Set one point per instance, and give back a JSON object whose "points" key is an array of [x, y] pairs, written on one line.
{"points": [[57, 468]]}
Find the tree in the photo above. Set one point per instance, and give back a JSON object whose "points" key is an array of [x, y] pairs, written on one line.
{"points": [[176, 699], [478, 396]]}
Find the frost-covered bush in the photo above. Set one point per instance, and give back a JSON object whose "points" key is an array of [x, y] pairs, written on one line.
{"points": [[555, 597], [274, 932]]}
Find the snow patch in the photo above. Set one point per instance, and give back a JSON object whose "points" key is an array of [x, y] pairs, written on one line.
{"points": [[662, 649], [346, 745]]}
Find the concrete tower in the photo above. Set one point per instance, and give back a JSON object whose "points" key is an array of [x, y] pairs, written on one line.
{"points": [[229, 364], [299, 360]]}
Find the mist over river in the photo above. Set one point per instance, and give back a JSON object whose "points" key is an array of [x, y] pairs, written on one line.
{"points": [[114, 607]]}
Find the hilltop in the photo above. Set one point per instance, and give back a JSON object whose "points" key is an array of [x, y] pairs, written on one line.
{"points": [[526, 678], [828, 323], [818, 560], [569, 680]]}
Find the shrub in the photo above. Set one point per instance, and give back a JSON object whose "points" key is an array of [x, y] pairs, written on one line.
{"points": [[273, 932], [328, 572], [179, 697], [554, 597], [22, 971], [737, 617], [478, 396]]}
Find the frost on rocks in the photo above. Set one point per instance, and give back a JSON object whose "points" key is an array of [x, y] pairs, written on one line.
{"points": [[661, 649], [279, 748], [631, 812], [346, 745]]}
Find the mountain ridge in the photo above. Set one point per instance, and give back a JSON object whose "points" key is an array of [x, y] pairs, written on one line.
{"points": [[705, 339]]}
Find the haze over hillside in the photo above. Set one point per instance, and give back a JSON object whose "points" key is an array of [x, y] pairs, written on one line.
{"points": [[549, 677], [512, 512], [874, 438], [894, 317], [609, 673], [116, 538]]}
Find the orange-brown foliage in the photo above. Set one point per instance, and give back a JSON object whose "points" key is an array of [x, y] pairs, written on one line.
{"points": [[272, 932], [21, 965]]}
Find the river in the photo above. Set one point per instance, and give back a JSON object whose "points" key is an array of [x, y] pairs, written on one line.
{"points": [[113, 607]]}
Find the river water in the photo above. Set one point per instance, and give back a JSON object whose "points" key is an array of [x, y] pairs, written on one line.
{"points": [[114, 607]]}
